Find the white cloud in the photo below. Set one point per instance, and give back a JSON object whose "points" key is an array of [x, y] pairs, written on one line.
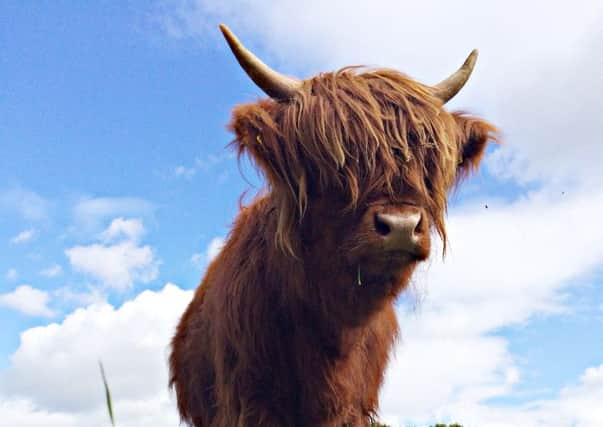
{"points": [[523, 248], [27, 300], [91, 214], [30, 205], [130, 229], [576, 405], [214, 247], [22, 413], [23, 237], [70, 297], [554, 131], [132, 341], [11, 274], [52, 271], [117, 264], [152, 412]]}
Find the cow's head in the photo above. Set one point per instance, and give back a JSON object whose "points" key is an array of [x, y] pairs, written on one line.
{"points": [[359, 164]]}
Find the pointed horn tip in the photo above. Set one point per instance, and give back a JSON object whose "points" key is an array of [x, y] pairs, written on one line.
{"points": [[472, 58], [233, 41], [224, 28], [228, 35]]}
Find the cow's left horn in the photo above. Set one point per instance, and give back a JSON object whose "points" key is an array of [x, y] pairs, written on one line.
{"points": [[276, 85], [447, 89]]}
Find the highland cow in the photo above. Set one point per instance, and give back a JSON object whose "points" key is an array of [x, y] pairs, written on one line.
{"points": [[294, 320]]}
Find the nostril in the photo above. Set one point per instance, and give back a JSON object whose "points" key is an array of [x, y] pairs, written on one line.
{"points": [[419, 227], [402, 230], [381, 227]]}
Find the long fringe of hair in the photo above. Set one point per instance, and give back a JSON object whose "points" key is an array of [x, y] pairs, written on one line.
{"points": [[354, 133]]}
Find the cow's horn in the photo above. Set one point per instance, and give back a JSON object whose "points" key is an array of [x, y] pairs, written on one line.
{"points": [[447, 89], [276, 85]]}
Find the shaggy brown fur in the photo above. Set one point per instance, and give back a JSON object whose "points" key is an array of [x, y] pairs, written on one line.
{"points": [[294, 320]]}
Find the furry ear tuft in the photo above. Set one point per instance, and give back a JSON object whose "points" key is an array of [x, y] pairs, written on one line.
{"points": [[473, 135], [256, 134]]}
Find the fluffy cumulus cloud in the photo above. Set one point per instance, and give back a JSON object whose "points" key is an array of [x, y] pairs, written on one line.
{"points": [[27, 300], [119, 260], [132, 342], [131, 229], [70, 297]]}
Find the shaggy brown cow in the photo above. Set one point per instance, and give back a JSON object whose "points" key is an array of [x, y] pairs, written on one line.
{"points": [[294, 320]]}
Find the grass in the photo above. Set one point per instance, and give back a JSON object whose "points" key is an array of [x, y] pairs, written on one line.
{"points": [[107, 394]]}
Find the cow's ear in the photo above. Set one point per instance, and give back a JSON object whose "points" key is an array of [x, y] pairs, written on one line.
{"points": [[256, 134], [473, 135]]}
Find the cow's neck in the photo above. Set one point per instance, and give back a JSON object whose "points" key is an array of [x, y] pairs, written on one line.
{"points": [[320, 295]]}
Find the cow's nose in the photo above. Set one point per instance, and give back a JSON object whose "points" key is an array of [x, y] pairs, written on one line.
{"points": [[402, 231]]}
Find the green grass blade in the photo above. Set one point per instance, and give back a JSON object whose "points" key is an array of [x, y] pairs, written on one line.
{"points": [[107, 394]]}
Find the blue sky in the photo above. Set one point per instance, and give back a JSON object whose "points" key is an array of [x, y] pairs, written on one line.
{"points": [[93, 106], [113, 133]]}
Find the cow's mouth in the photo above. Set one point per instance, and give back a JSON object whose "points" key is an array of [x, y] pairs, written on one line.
{"points": [[392, 270]]}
